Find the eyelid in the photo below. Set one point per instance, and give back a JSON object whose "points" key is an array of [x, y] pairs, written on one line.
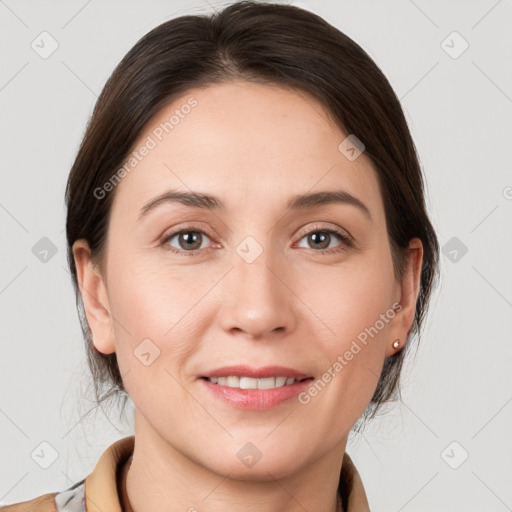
{"points": [[318, 227]]}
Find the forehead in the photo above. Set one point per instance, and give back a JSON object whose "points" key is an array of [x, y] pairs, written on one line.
{"points": [[248, 143]]}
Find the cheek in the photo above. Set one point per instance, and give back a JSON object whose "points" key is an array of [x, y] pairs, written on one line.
{"points": [[150, 298], [348, 299], [146, 306], [150, 301], [354, 304]]}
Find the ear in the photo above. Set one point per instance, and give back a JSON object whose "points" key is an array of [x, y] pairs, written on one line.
{"points": [[94, 296], [408, 289]]}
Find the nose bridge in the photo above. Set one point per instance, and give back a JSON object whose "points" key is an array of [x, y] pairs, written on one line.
{"points": [[259, 299], [254, 272]]}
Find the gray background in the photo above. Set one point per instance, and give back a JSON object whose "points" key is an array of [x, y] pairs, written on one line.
{"points": [[457, 390]]}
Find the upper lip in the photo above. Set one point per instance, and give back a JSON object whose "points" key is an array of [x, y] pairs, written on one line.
{"points": [[256, 373]]}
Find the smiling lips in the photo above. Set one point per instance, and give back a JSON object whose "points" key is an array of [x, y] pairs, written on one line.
{"points": [[255, 388], [256, 373]]}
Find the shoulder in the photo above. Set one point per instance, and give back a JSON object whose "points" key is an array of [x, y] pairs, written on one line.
{"points": [[43, 503], [101, 486], [70, 500]]}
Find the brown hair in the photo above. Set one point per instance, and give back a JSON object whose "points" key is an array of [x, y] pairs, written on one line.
{"points": [[266, 43]]}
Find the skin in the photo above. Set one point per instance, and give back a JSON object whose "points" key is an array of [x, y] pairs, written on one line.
{"points": [[254, 146]]}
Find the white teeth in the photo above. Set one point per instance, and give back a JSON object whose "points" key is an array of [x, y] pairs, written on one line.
{"points": [[268, 383], [280, 381], [232, 382], [250, 383]]}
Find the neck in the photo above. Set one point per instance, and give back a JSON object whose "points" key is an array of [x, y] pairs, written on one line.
{"points": [[159, 477]]}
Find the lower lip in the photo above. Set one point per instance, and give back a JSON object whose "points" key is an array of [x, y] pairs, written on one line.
{"points": [[256, 399]]}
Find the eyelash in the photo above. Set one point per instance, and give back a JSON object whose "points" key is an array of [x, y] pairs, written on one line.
{"points": [[345, 239]]}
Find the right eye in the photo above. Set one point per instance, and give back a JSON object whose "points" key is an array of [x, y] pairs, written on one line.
{"points": [[189, 240]]}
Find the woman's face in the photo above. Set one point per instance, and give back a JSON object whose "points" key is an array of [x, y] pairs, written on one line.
{"points": [[259, 277]]}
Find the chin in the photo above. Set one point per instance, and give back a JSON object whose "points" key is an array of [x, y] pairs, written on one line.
{"points": [[250, 462]]}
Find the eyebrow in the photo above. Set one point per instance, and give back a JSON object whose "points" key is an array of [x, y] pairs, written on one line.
{"points": [[296, 202]]}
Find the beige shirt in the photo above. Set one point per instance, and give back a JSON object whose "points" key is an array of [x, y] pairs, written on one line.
{"points": [[101, 490]]}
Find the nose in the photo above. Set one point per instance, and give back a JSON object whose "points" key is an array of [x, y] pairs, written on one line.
{"points": [[259, 301]]}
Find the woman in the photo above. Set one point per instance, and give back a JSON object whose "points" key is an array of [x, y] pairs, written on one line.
{"points": [[251, 252]]}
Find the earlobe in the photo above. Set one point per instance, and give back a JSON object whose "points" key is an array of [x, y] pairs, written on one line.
{"points": [[409, 290], [95, 299]]}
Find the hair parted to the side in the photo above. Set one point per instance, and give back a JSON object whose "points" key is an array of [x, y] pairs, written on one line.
{"points": [[274, 44]]}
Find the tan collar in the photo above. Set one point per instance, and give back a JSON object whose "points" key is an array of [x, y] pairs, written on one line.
{"points": [[102, 487]]}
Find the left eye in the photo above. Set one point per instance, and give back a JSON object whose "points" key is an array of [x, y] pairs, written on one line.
{"points": [[322, 238]]}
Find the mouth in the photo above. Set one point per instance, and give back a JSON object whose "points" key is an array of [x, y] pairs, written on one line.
{"points": [[247, 377], [244, 382], [255, 388]]}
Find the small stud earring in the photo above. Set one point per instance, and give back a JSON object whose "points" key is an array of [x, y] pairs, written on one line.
{"points": [[396, 343]]}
